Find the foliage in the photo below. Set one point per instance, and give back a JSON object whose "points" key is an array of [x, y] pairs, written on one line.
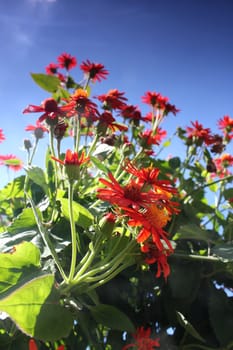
{"points": [[112, 246]]}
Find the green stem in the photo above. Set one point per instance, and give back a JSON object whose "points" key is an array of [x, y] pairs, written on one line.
{"points": [[46, 239], [74, 237], [195, 257]]}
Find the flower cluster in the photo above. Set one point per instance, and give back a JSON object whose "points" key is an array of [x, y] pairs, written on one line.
{"points": [[147, 203], [143, 340]]}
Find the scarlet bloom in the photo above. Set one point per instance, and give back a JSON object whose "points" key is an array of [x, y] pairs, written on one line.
{"points": [[2, 136], [67, 61], [79, 102], [94, 71], [153, 255], [50, 110], [199, 133], [226, 125], [148, 138], [142, 340], [156, 100], [152, 220], [52, 68], [130, 112], [106, 120], [39, 129], [11, 161], [113, 99], [130, 195], [149, 176]]}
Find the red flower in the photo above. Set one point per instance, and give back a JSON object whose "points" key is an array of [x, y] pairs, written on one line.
{"points": [[67, 61], [142, 340], [113, 99], [148, 138], [226, 125], [152, 220], [130, 195], [2, 136], [72, 163], [32, 345], [94, 71], [153, 255], [106, 120], [79, 102], [50, 109], [130, 112], [149, 176], [11, 161], [156, 100], [52, 68], [38, 129], [198, 132]]}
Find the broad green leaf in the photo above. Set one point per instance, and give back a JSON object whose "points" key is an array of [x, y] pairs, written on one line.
{"points": [[14, 263], [49, 83], [224, 251], [37, 175], [188, 327], [220, 313], [13, 189], [8, 240], [82, 216], [24, 221], [111, 317], [228, 193], [99, 165], [193, 232], [36, 310]]}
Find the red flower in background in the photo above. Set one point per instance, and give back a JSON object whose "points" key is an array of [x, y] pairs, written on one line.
{"points": [[72, 158], [79, 102], [198, 132], [2, 136], [94, 71], [130, 112], [156, 100], [106, 120], [52, 68], [39, 129], [113, 99], [32, 345], [67, 61], [11, 161], [148, 138], [50, 110], [226, 125], [142, 340]]}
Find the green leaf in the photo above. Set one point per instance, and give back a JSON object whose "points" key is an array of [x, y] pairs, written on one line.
{"points": [[228, 193], [49, 83], [188, 327], [37, 175], [13, 189], [35, 308], [99, 165], [82, 216], [13, 264], [193, 232], [111, 317], [220, 313], [24, 221], [224, 251]]}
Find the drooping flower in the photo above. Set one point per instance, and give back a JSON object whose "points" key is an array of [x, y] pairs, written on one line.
{"points": [[153, 255], [2, 136], [67, 61], [131, 112], [155, 99], [151, 222], [94, 71], [39, 129], [114, 99], [49, 107], [11, 161], [72, 163], [52, 68], [142, 340]]}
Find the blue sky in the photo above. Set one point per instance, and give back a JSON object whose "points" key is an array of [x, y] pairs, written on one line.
{"points": [[180, 48]]}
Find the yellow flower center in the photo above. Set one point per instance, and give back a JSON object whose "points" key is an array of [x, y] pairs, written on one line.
{"points": [[157, 215]]}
